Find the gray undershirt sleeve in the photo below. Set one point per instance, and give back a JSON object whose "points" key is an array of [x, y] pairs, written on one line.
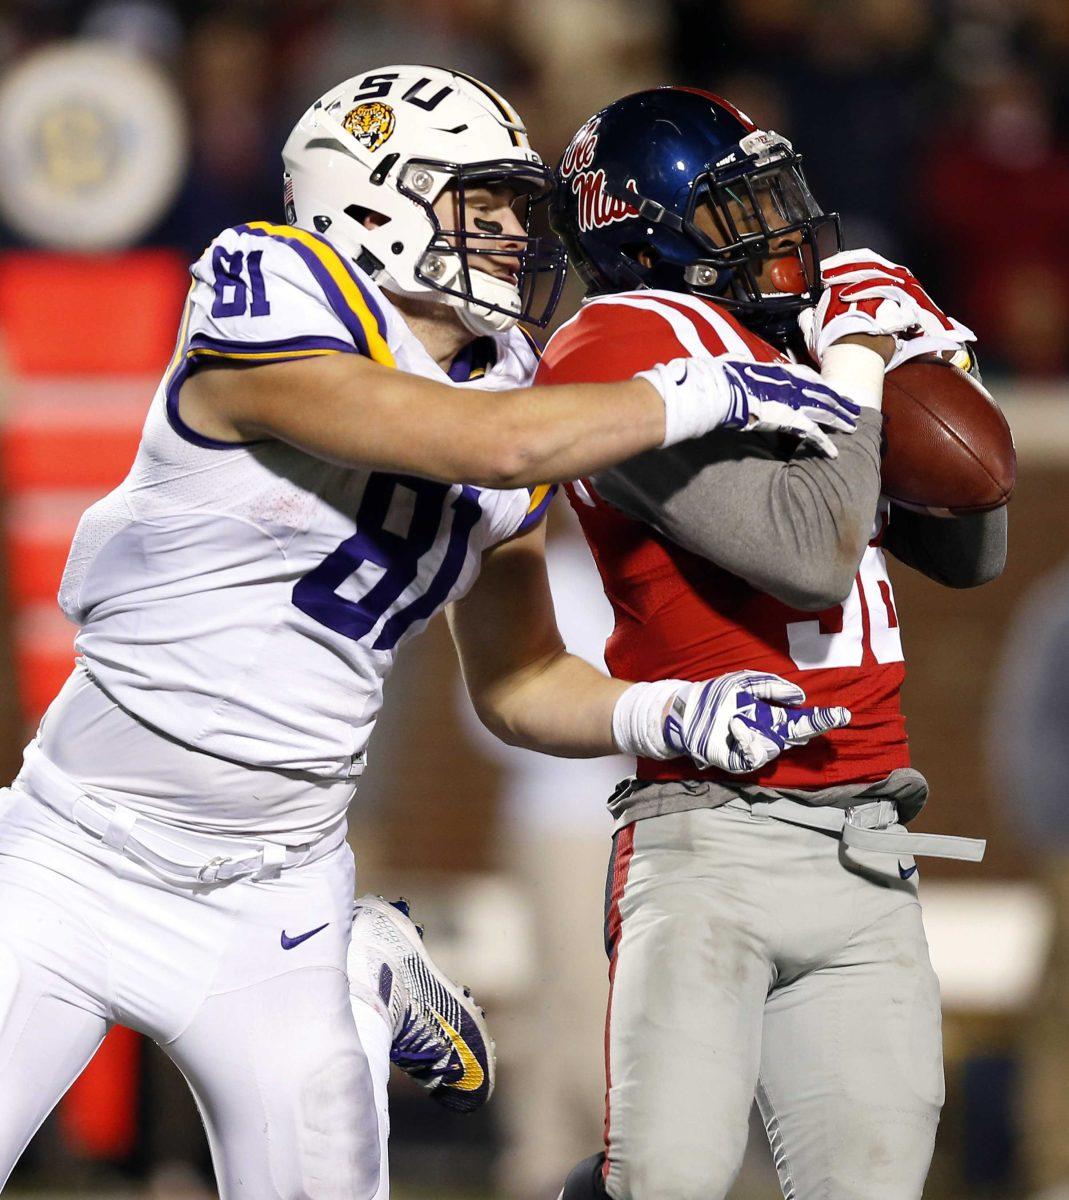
{"points": [[787, 520], [958, 552]]}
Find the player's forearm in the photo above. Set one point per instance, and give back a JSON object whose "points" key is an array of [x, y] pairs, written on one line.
{"points": [[515, 438], [793, 527], [562, 706], [356, 413]]}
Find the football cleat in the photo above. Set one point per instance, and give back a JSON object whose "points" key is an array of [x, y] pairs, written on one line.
{"points": [[440, 1036]]}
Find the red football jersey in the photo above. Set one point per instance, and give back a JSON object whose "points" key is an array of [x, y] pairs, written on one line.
{"points": [[680, 616]]}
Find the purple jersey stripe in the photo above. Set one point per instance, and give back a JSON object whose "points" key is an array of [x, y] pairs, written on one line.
{"points": [[538, 512], [473, 361], [334, 297], [295, 346], [337, 301], [174, 418], [532, 341]]}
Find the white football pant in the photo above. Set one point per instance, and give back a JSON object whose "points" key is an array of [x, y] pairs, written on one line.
{"points": [[265, 1035]]}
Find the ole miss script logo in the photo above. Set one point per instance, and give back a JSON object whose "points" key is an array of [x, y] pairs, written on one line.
{"points": [[595, 207]]}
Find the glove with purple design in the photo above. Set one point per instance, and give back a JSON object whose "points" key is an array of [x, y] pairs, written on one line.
{"points": [[736, 722], [701, 394], [730, 723], [787, 398]]}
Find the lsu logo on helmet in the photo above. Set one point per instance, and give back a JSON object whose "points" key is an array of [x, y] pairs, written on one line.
{"points": [[370, 123]]}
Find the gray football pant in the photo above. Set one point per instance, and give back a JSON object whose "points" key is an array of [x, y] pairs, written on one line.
{"points": [[750, 958]]}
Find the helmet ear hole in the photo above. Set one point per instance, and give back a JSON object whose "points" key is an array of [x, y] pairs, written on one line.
{"points": [[367, 217], [642, 253]]}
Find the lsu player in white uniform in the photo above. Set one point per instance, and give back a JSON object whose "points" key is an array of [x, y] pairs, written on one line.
{"points": [[173, 853]]}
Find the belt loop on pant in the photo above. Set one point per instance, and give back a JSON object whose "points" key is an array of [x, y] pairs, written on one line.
{"points": [[876, 814], [179, 857], [273, 861], [121, 823]]}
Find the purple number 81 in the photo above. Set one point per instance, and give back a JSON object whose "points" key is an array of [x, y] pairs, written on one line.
{"points": [[231, 290]]}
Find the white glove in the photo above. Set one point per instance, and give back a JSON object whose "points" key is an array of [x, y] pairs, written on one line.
{"points": [[865, 293], [701, 394], [725, 722]]}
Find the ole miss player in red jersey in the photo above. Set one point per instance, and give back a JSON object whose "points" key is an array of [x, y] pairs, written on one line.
{"points": [[764, 930]]}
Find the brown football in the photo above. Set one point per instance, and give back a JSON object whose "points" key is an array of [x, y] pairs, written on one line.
{"points": [[947, 448]]}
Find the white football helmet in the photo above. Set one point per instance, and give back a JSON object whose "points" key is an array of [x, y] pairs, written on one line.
{"points": [[389, 142]]}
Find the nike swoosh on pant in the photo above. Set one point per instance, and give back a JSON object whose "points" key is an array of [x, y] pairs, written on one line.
{"points": [[289, 942]]}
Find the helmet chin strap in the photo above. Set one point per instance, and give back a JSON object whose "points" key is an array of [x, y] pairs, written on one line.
{"points": [[490, 289], [473, 312]]}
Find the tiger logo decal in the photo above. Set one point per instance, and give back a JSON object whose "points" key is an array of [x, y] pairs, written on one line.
{"points": [[370, 123]]}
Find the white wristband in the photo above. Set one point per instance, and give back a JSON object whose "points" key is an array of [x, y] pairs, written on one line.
{"points": [[696, 395], [638, 718], [855, 372]]}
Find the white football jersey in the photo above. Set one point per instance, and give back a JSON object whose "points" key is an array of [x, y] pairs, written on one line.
{"points": [[248, 600]]}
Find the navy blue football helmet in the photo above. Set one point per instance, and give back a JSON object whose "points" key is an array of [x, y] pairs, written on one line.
{"points": [[675, 188]]}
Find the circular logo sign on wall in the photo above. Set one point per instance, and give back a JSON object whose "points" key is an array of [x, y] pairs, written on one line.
{"points": [[94, 143]]}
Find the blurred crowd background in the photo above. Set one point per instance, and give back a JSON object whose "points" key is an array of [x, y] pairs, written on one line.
{"points": [[936, 126], [940, 130]]}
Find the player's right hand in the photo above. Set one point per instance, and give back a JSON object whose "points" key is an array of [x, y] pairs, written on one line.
{"points": [[701, 394], [740, 722], [865, 293]]}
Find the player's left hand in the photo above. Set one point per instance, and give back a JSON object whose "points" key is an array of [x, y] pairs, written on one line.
{"points": [[786, 398], [741, 721], [865, 293]]}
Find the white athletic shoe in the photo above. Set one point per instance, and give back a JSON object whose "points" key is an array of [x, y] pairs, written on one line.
{"points": [[440, 1036]]}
